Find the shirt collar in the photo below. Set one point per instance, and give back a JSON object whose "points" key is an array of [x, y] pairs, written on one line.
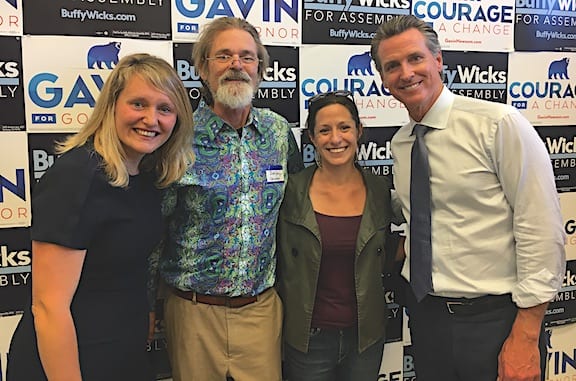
{"points": [[208, 122], [438, 115]]}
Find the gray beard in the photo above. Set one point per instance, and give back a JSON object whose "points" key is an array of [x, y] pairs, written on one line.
{"points": [[234, 96]]}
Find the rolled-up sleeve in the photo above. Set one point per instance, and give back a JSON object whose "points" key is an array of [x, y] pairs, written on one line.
{"points": [[527, 179]]}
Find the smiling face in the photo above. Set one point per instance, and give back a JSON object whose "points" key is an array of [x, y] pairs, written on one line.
{"points": [[144, 118], [232, 84], [410, 71], [335, 135]]}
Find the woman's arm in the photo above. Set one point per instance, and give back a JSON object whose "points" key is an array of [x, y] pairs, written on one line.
{"points": [[55, 274]]}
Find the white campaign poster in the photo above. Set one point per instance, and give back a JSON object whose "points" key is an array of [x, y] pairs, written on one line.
{"points": [[275, 20], [561, 348], [63, 86], [568, 206], [486, 25], [542, 85], [14, 178], [392, 360], [11, 17], [348, 68]]}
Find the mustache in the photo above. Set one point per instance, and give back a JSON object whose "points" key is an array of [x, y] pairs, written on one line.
{"points": [[235, 75]]}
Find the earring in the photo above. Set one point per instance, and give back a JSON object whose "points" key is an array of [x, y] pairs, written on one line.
{"points": [[317, 158]]}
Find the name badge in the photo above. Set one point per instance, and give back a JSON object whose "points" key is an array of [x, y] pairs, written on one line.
{"points": [[274, 174]]}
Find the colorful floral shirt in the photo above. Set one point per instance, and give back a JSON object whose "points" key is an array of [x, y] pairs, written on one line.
{"points": [[222, 214]]}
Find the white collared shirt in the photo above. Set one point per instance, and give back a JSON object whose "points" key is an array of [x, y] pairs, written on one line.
{"points": [[496, 221]]}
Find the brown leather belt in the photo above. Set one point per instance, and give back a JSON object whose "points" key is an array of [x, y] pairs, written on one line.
{"points": [[216, 300]]}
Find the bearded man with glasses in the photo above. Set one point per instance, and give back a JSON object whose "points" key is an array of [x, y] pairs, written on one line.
{"points": [[222, 314]]}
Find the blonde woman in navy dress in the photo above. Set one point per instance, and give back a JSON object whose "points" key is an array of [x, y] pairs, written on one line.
{"points": [[96, 217]]}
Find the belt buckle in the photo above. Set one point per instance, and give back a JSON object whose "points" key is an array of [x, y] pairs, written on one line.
{"points": [[453, 303]]}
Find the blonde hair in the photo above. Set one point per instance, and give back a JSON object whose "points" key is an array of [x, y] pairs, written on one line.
{"points": [[169, 161]]}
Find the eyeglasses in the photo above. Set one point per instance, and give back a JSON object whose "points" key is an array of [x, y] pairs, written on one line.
{"points": [[228, 58], [336, 93]]}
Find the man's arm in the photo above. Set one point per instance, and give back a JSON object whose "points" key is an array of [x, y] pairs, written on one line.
{"points": [[519, 359], [525, 172], [527, 179]]}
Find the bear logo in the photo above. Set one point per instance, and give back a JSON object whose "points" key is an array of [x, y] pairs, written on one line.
{"points": [[360, 63], [559, 69], [103, 55]]}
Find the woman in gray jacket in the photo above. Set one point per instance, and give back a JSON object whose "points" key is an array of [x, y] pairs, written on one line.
{"points": [[331, 237]]}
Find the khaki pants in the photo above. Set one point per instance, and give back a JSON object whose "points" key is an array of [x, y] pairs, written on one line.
{"points": [[208, 342]]}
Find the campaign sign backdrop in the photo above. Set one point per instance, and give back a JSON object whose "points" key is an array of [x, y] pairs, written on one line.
{"points": [[277, 21], [14, 188], [562, 309], [278, 90], [408, 368], [374, 151], [349, 68], [51, 78], [395, 315], [11, 88], [394, 286], [568, 205], [350, 22], [545, 25], [157, 347], [486, 25], [8, 323], [561, 353], [477, 75], [543, 86], [15, 269], [391, 369], [561, 144], [15, 285], [62, 88], [11, 17], [41, 154], [187, 71], [147, 19]]}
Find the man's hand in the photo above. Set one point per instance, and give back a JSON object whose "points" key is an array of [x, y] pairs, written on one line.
{"points": [[519, 358]]}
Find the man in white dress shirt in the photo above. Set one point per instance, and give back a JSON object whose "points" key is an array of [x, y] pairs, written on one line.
{"points": [[497, 234]]}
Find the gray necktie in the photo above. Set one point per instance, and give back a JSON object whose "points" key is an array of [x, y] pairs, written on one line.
{"points": [[420, 219]]}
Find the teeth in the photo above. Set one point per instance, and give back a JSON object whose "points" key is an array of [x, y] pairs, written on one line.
{"points": [[149, 134], [411, 86], [337, 150]]}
